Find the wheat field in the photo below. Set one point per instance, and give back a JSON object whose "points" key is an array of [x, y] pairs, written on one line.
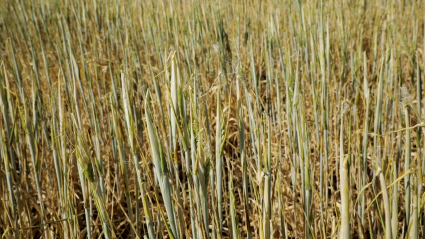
{"points": [[212, 119]]}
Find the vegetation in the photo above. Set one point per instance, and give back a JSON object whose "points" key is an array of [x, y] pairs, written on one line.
{"points": [[212, 119]]}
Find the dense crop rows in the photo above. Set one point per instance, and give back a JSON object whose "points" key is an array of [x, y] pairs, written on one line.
{"points": [[212, 119]]}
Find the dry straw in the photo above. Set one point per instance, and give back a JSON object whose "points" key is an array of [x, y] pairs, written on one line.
{"points": [[212, 119]]}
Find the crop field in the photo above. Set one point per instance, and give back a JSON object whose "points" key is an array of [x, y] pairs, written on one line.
{"points": [[212, 119]]}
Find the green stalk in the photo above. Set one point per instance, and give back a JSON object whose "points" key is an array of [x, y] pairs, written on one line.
{"points": [[218, 159], [407, 182], [344, 186], [396, 168], [125, 171], [80, 169], [365, 136], [148, 216], [86, 166], [414, 221], [131, 131], [380, 174], [9, 184], [161, 170], [233, 216], [244, 162]]}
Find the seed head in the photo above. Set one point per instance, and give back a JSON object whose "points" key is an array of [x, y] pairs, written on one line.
{"points": [[215, 48], [405, 96], [345, 108]]}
